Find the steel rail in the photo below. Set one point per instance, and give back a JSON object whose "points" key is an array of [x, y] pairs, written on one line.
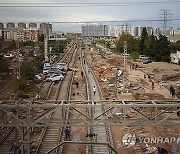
{"points": [[109, 139], [58, 87], [70, 93], [67, 112], [57, 130]]}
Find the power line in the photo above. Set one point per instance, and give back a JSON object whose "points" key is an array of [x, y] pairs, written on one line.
{"points": [[166, 16], [83, 4], [105, 21], [101, 21]]}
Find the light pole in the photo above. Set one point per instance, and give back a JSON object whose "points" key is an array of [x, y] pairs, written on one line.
{"points": [[46, 38], [124, 73], [19, 63]]}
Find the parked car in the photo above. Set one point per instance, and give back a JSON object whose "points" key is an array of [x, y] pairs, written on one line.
{"points": [[47, 65], [147, 61], [59, 66], [143, 57], [46, 70], [55, 77], [56, 71]]}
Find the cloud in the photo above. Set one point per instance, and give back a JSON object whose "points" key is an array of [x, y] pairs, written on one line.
{"points": [[82, 14]]}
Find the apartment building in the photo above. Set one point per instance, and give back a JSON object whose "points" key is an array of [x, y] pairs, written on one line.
{"points": [[31, 34], [115, 31], [95, 31], [45, 28], [13, 33], [20, 34]]}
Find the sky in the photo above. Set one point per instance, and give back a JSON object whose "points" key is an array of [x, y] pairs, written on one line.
{"points": [[130, 12]]}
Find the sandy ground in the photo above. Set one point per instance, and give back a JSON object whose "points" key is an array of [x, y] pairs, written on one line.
{"points": [[106, 71]]}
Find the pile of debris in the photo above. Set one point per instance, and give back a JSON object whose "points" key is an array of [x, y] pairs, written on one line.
{"points": [[173, 77]]}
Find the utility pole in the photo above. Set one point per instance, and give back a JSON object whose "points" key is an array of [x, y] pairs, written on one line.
{"points": [[126, 30], [50, 52], [19, 63], [166, 18], [124, 73], [45, 48], [46, 37]]}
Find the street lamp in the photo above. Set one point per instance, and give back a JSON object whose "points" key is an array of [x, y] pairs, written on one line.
{"points": [[19, 63], [124, 73]]}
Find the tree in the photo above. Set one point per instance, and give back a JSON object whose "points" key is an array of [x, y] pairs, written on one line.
{"points": [[41, 38], [28, 71], [58, 46], [132, 43], [4, 66], [163, 49], [150, 46], [61, 48], [12, 45], [134, 55], [142, 40], [176, 46], [173, 47], [27, 43], [38, 63], [20, 85]]}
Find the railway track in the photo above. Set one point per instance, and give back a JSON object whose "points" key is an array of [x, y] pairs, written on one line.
{"points": [[51, 136], [46, 87], [68, 97], [10, 143], [76, 133], [103, 134]]}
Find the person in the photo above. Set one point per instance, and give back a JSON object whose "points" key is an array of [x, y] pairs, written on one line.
{"points": [[173, 92], [77, 84], [82, 74], [161, 150], [160, 84], [170, 89], [178, 113], [89, 70], [136, 66], [94, 90], [67, 132], [152, 85], [144, 75]]}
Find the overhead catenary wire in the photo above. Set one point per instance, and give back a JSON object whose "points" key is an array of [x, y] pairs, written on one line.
{"points": [[85, 4], [102, 21]]}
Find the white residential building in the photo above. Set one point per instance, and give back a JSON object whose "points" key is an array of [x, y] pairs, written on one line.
{"points": [[20, 34], [114, 31], [13, 34], [175, 57], [95, 31]]}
